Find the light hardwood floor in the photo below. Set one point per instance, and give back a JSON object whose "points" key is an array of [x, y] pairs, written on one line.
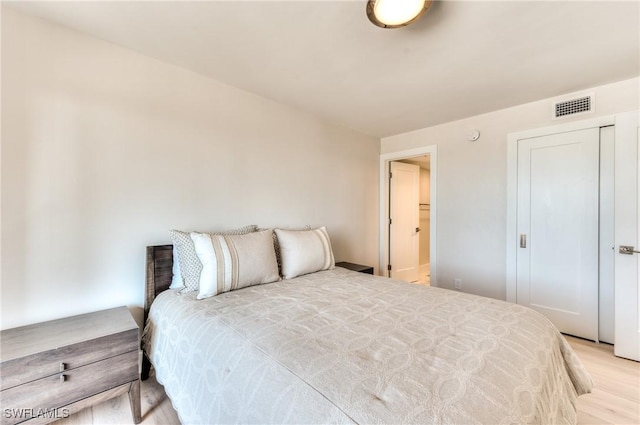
{"points": [[614, 400]]}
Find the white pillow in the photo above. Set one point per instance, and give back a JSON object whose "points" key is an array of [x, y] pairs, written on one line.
{"points": [[304, 251], [232, 262], [176, 279], [277, 247]]}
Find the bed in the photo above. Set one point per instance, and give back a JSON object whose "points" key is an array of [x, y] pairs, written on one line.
{"points": [[337, 346]]}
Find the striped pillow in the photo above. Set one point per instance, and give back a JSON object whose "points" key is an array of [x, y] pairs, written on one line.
{"points": [[304, 251], [232, 262], [188, 263]]}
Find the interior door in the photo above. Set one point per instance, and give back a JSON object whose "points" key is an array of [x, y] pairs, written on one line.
{"points": [[627, 234], [557, 219], [404, 214]]}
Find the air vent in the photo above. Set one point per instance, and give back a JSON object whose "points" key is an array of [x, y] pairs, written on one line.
{"points": [[577, 105]]}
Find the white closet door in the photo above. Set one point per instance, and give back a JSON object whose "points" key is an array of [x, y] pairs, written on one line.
{"points": [[557, 262], [404, 204]]}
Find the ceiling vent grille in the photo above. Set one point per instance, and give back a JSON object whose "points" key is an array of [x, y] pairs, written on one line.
{"points": [[578, 105]]}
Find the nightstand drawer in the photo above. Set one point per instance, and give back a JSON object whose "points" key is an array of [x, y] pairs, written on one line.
{"points": [[67, 387], [26, 369], [96, 353]]}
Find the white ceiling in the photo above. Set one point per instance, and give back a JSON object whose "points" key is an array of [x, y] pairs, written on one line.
{"points": [[463, 58]]}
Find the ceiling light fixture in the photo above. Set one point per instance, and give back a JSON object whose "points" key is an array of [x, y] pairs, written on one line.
{"points": [[396, 13]]}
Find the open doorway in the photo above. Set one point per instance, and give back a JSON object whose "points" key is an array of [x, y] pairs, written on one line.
{"points": [[408, 215]]}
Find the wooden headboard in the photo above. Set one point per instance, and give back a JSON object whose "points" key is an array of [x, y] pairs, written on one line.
{"points": [[159, 273]]}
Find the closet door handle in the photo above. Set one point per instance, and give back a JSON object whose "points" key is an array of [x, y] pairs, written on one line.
{"points": [[523, 240], [417, 229], [628, 250]]}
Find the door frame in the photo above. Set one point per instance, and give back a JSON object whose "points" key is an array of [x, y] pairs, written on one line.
{"points": [[385, 159], [627, 311], [512, 187]]}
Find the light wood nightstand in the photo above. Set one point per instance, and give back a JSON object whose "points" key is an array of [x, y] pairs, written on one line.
{"points": [[53, 369]]}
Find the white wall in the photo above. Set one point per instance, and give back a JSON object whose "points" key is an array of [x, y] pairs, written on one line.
{"points": [[104, 150], [471, 179]]}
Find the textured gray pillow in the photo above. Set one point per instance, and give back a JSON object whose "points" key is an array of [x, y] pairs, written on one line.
{"points": [[190, 266]]}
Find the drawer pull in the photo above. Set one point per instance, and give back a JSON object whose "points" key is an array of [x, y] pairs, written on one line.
{"points": [[63, 378], [63, 366]]}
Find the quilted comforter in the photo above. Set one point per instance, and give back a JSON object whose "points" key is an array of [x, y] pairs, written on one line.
{"points": [[343, 347]]}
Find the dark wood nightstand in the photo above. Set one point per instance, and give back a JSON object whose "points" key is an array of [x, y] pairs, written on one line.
{"points": [[53, 369], [355, 267]]}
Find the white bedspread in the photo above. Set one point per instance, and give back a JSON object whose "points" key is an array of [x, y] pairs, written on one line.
{"points": [[344, 347]]}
